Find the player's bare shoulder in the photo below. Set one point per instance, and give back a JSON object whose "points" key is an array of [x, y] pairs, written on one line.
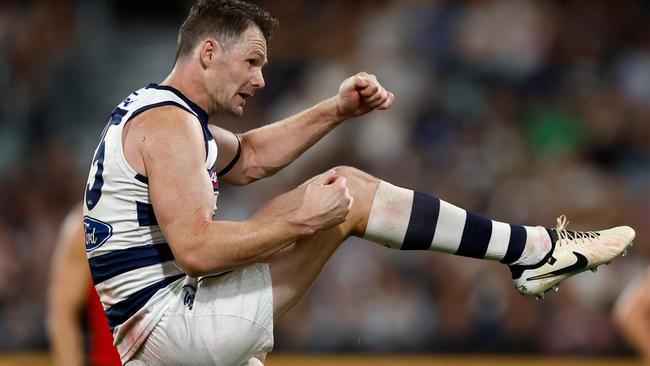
{"points": [[161, 130]]}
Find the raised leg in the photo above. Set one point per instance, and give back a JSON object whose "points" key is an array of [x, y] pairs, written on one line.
{"points": [[406, 220], [294, 269]]}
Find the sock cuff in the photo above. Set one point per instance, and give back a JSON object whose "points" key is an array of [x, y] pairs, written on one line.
{"points": [[389, 215]]}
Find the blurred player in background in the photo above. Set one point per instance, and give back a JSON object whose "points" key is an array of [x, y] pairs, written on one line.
{"points": [[632, 314], [77, 327], [180, 287]]}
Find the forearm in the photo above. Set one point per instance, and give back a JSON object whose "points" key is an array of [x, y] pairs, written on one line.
{"points": [[67, 292], [632, 312], [66, 341], [637, 330], [639, 336], [272, 147], [217, 246]]}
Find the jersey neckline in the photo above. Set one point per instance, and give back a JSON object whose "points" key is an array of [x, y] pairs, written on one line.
{"points": [[201, 114]]}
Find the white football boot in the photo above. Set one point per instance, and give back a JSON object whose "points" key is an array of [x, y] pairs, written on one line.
{"points": [[571, 252]]}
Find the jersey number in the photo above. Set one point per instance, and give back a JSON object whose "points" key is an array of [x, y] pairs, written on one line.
{"points": [[94, 193]]}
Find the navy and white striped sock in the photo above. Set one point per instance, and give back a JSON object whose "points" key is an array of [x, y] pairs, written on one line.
{"points": [[407, 220]]}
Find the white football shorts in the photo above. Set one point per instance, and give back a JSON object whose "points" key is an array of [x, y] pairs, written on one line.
{"points": [[219, 320]]}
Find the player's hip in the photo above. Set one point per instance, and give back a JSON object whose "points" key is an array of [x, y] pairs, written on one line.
{"points": [[224, 320]]}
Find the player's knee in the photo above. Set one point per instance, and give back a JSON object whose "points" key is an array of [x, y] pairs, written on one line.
{"points": [[359, 182], [351, 172], [355, 176], [362, 187]]}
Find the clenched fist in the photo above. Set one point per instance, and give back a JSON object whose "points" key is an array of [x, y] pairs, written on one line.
{"points": [[360, 94], [326, 202]]}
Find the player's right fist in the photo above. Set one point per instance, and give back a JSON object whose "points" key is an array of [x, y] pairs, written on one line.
{"points": [[326, 203], [360, 94]]}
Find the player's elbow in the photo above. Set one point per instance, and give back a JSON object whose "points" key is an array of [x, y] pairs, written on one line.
{"points": [[188, 255], [195, 265], [196, 251], [189, 261], [250, 174], [242, 180], [255, 172], [188, 265], [194, 262], [247, 173], [255, 165]]}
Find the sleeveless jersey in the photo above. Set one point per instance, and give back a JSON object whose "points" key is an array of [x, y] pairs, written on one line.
{"points": [[130, 261]]}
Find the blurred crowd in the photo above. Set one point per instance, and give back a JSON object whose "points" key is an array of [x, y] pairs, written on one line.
{"points": [[517, 110]]}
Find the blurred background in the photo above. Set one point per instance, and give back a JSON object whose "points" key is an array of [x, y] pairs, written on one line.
{"points": [[517, 110]]}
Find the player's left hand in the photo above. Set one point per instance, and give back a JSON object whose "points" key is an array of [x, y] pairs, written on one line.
{"points": [[360, 94]]}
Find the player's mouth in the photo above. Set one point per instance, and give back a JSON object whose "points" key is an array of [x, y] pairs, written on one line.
{"points": [[243, 96]]}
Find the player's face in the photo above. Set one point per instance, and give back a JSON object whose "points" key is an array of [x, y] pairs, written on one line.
{"points": [[238, 74]]}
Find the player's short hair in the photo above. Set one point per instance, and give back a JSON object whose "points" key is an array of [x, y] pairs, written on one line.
{"points": [[225, 20]]}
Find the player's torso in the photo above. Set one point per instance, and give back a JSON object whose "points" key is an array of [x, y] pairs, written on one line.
{"points": [[128, 255]]}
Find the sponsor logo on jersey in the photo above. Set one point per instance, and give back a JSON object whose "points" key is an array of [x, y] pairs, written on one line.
{"points": [[96, 232]]}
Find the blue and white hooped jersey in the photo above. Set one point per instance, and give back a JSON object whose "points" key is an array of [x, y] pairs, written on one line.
{"points": [[130, 261]]}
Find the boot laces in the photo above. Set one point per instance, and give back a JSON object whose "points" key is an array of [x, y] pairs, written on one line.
{"points": [[572, 236]]}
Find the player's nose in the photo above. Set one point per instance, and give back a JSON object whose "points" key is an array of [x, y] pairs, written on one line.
{"points": [[258, 80]]}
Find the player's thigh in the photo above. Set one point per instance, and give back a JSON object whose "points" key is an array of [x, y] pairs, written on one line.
{"points": [[362, 187]]}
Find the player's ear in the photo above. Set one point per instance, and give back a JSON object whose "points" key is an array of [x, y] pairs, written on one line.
{"points": [[209, 49]]}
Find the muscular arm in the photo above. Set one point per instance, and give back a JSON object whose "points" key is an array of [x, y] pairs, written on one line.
{"points": [[67, 293], [632, 314], [268, 149], [181, 194]]}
